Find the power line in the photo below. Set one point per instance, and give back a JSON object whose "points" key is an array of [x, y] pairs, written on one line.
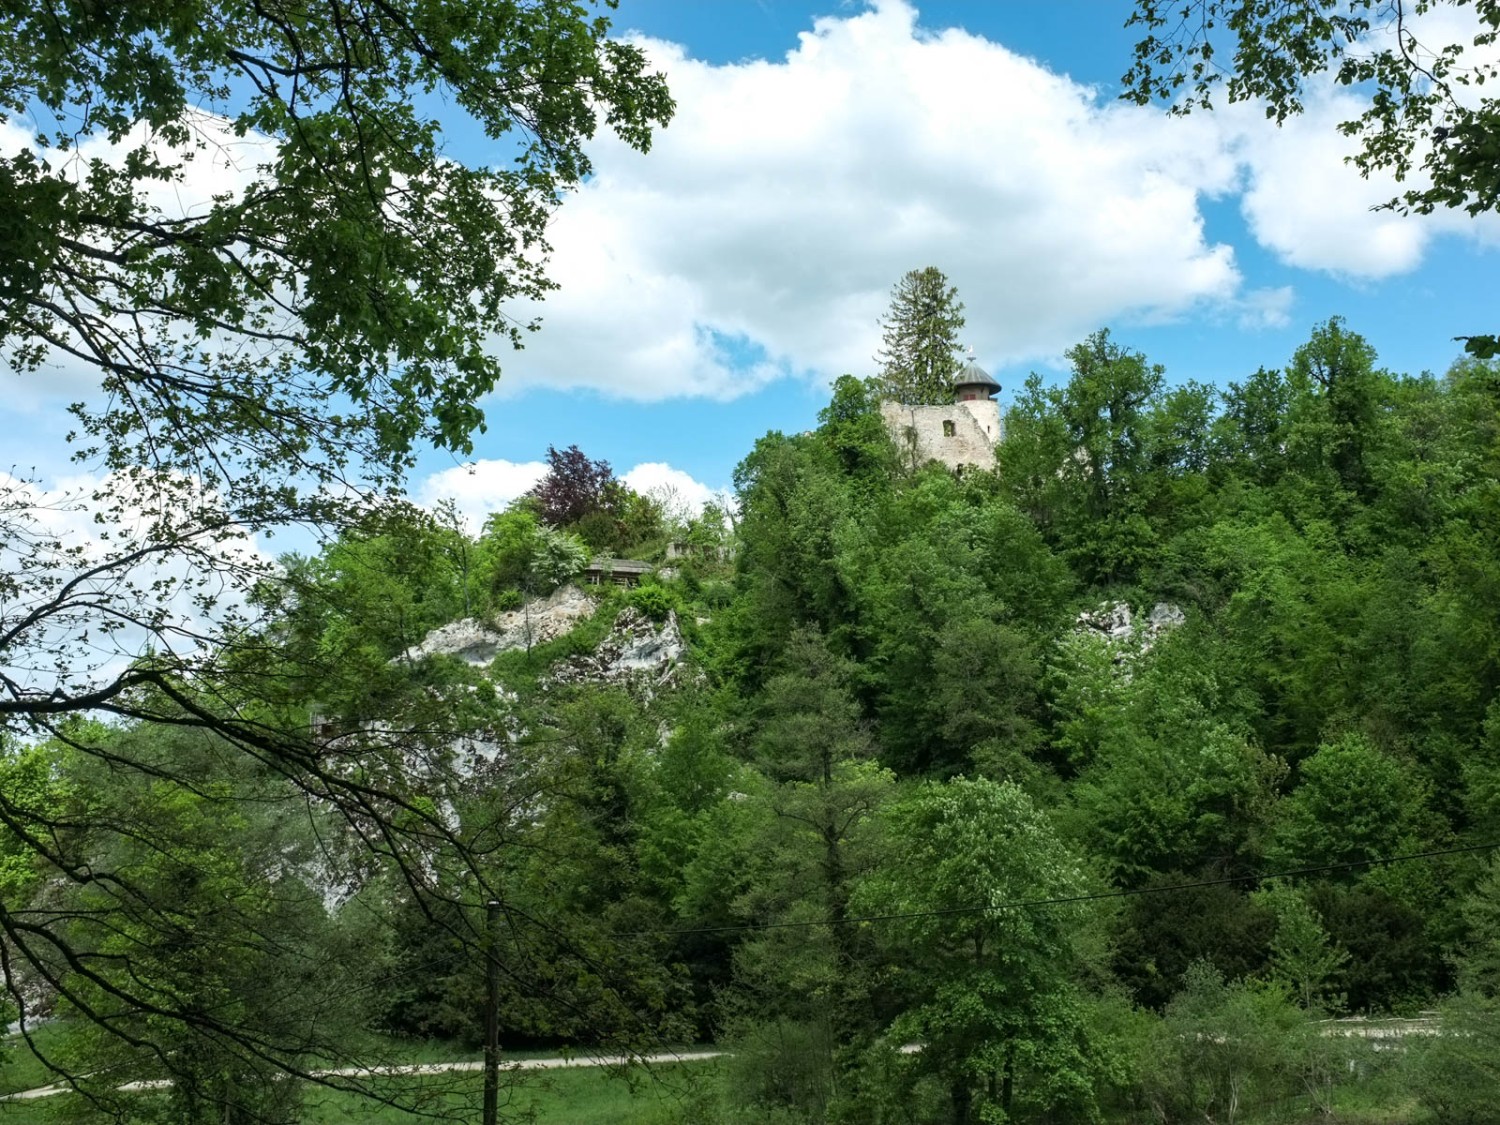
{"points": [[1027, 904]]}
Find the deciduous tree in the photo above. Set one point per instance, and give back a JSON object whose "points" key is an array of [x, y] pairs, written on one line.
{"points": [[987, 984], [1078, 457], [1427, 110], [275, 353], [575, 486]]}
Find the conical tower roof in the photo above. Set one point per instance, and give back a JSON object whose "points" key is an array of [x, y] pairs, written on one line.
{"points": [[973, 375]]}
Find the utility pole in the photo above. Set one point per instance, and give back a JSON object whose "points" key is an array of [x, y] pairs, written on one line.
{"points": [[491, 1015]]}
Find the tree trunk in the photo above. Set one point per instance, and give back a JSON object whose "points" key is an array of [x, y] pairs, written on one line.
{"points": [[1008, 1083], [963, 1102]]}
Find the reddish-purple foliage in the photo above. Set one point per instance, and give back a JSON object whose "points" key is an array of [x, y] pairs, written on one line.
{"points": [[574, 487]]}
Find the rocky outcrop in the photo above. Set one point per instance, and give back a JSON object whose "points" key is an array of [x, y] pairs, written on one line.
{"points": [[469, 640], [1164, 616], [1116, 623], [1111, 621], [636, 649], [637, 653], [535, 623]]}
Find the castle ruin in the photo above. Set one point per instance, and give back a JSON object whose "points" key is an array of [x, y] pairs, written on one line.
{"points": [[962, 433]]}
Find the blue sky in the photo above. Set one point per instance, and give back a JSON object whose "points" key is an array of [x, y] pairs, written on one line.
{"points": [[712, 289], [991, 137]]}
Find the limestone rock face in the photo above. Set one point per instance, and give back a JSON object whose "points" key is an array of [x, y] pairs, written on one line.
{"points": [[544, 620], [1114, 622], [636, 649], [468, 639], [1164, 616], [478, 642], [638, 654]]}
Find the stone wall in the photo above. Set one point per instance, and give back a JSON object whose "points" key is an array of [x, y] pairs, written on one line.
{"points": [[921, 436]]}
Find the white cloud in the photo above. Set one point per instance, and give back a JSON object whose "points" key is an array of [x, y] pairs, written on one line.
{"points": [[146, 567], [760, 237], [1265, 308], [673, 486], [216, 163], [762, 234], [1312, 209], [482, 487], [1306, 203]]}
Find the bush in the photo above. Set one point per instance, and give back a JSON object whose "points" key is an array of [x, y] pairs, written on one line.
{"points": [[1453, 1074], [654, 601], [601, 531], [782, 1068], [882, 1086], [1222, 1047]]}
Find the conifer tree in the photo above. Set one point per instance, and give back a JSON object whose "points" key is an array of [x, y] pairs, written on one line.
{"points": [[919, 352]]}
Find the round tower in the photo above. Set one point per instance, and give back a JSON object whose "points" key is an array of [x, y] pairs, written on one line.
{"points": [[974, 390]]}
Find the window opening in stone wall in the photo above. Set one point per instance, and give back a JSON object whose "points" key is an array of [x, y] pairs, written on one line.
{"points": [[948, 430]]}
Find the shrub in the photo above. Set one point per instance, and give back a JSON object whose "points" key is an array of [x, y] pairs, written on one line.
{"points": [[654, 601], [1453, 1073]]}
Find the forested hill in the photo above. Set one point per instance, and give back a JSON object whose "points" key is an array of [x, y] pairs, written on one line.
{"points": [[899, 788], [901, 718], [1329, 531]]}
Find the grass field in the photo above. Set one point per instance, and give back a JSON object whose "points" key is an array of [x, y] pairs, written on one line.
{"points": [[663, 1094], [19, 1068], [666, 1095], [659, 1094], [676, 1093]]}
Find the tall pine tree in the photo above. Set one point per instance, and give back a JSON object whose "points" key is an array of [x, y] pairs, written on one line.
{"points": [[919, 353]]}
